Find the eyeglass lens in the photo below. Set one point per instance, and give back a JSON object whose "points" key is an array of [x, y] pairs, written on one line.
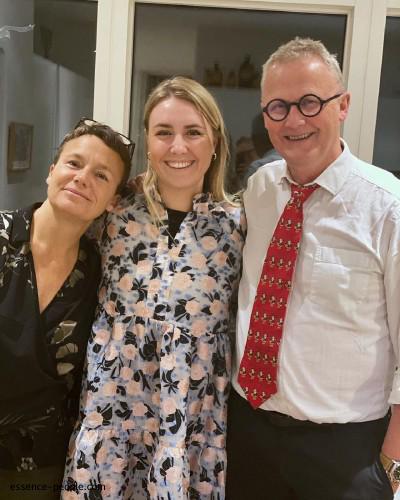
{"points": [[309, 105]]}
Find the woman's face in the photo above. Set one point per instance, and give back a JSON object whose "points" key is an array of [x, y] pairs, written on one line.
{"points": [[84, 181], [180, 143]]}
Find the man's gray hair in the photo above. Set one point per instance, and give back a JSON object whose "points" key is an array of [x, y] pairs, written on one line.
{"points": [[299, 48]]}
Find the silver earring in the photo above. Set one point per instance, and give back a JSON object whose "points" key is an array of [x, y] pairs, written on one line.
{"points": [[214, 156], [148, 155]]}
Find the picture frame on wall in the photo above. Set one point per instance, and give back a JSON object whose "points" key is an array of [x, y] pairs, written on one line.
{"points": [[20, 139]]}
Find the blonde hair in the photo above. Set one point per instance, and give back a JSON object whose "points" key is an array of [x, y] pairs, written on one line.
{"points": [[193, 92], [300, 48]]}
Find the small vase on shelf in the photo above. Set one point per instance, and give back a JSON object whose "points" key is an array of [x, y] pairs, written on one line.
{"points": [[246, 73]]}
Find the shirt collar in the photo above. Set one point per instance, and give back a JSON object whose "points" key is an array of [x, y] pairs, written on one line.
{"points": [[333, 177], [22, 221]]}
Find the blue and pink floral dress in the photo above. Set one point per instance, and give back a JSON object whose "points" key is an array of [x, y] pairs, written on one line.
{"points": [[154, 403]]}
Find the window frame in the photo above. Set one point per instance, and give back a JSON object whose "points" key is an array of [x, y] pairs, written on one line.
{"points": [[366, 20]]}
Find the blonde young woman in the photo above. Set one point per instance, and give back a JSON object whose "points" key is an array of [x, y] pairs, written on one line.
{"points": [[153, 415]]}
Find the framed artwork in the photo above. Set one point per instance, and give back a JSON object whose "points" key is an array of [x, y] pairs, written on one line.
{"points": [[20, 136]]}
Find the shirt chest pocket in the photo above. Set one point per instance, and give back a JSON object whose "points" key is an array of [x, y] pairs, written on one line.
{"points": [[340, 281]]}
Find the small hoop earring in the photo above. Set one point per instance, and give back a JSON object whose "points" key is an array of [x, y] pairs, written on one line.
{"points": [[214, 156], [148, 155]]}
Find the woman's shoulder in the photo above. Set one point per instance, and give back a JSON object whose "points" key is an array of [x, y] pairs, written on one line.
{"points": [[16, 224], [230, 216], [130, 207], [206, 203], [129, 202], [232, 205], [6, 218], [232, 208]]}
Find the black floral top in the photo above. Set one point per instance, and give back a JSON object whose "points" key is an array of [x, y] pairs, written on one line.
{"points": [[41, 354]]}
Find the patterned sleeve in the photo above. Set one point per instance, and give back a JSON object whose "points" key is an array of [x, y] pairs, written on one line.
{"points": [[238, 200], [243, 221], [237, 213], [5, 230], [100, 232], [237, 229]]}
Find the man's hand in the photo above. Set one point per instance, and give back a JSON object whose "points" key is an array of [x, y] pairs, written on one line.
{"points": [[391, 444]]}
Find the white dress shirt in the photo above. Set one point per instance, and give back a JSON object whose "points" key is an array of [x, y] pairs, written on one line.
{"points": [[340, 343]]}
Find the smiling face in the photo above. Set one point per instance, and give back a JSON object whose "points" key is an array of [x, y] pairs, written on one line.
{"points": [[84, 180], [308, 144], [180, 143]]}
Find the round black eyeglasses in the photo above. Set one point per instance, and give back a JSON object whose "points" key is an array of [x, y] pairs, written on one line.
{"points": [[308, 105]]}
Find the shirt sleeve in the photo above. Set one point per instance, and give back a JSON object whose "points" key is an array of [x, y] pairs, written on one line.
{"points": [[5, 229], [392, 290]]}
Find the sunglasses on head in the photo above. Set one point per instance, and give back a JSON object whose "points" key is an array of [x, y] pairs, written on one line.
{"points": [[89, 122]]}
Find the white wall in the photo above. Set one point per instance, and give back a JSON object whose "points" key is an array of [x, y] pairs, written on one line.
{"points": [[236, 104], [3, 98], [71, 27], [17, 88], [44, 85], [155, 57], [61, 98], [75, 100], [37, 91]]}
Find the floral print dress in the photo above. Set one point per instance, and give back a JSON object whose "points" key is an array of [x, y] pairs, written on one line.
{"points": [[154, 402]]}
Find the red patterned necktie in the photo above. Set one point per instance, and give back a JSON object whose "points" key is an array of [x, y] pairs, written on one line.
{"points": [[259, 366]]}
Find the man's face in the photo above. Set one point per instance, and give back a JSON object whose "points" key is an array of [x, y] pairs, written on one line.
{"points": [[308, 144], [84, 181]]}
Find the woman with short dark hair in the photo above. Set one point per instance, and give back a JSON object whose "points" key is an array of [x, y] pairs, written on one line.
{"points": [[49, 273]]}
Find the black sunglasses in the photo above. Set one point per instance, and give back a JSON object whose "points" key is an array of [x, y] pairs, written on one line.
{"points": [[309, 105], [89, 122]]}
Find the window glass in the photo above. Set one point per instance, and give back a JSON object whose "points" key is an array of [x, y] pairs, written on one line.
{"points": [[46, 85], [224, 49], [387, 133]]}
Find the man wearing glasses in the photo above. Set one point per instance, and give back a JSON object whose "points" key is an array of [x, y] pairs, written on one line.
{"points": [[319, 315]]}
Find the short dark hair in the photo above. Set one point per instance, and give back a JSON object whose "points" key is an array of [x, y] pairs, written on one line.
{"points": [[110, 137]]}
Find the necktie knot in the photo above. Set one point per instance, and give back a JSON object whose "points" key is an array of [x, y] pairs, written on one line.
{"points": [[302, 193]]}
